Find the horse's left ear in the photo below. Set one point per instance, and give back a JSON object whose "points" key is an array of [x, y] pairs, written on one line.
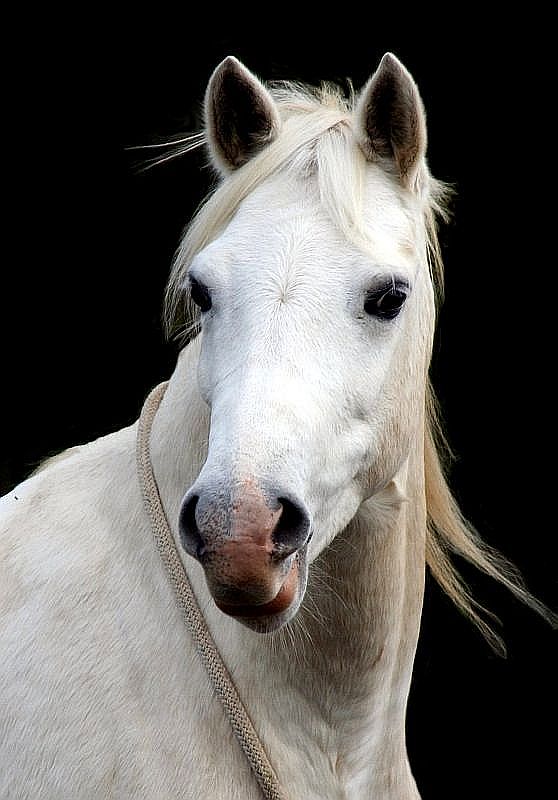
{"points": [[391, 120], [241, 116]]}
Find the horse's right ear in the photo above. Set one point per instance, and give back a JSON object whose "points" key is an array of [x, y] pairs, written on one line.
{"points": [[391, 120], [240, 115]]}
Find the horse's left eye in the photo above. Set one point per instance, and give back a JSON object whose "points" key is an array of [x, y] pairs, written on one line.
{"points": [[200, 295], [386, 303]]}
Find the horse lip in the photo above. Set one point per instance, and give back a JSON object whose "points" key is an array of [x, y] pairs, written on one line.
{"points": [[279, 604]]}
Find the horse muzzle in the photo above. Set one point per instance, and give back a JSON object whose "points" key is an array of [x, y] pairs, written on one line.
{"points": [[251, 543]]}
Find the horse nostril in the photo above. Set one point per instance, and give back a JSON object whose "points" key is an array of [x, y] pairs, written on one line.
{"points": [[190, 535], [292, 529]]}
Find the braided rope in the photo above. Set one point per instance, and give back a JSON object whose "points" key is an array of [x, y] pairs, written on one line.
{"points": [[207, 650]]}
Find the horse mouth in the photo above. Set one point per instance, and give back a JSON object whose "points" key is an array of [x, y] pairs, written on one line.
{"points": [[266, 617]]}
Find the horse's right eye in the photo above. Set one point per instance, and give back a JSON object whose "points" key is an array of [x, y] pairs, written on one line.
{"points": [[200, 295], [387, 301]]}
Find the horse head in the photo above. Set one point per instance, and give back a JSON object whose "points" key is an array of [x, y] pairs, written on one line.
{"points": [[317, 314]]}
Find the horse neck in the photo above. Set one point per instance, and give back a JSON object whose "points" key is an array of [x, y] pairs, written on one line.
{"points": [[349, 651], [356, 635], [367, 586]]}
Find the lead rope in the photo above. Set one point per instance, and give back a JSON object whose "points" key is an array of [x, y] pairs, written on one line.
{"points": [[207, 650]]}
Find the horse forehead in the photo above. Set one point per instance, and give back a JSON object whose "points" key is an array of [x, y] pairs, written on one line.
{"points": [[277, 225]]}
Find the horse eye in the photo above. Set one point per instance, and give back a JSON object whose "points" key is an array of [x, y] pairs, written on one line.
{"points": [[200, 295], [386, 303]]}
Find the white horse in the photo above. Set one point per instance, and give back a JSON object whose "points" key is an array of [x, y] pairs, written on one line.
{"points": [[296, 456]]}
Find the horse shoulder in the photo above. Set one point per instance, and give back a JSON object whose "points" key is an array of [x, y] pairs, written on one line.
{"points": [[101, 690], [71, 560], [59, 526]]}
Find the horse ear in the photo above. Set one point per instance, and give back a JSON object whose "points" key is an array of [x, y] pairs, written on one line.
{"points": [[240, 115], [391, 120]]}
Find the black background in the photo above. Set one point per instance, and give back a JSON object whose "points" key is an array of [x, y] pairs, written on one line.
{"points": [[92, 241]]}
